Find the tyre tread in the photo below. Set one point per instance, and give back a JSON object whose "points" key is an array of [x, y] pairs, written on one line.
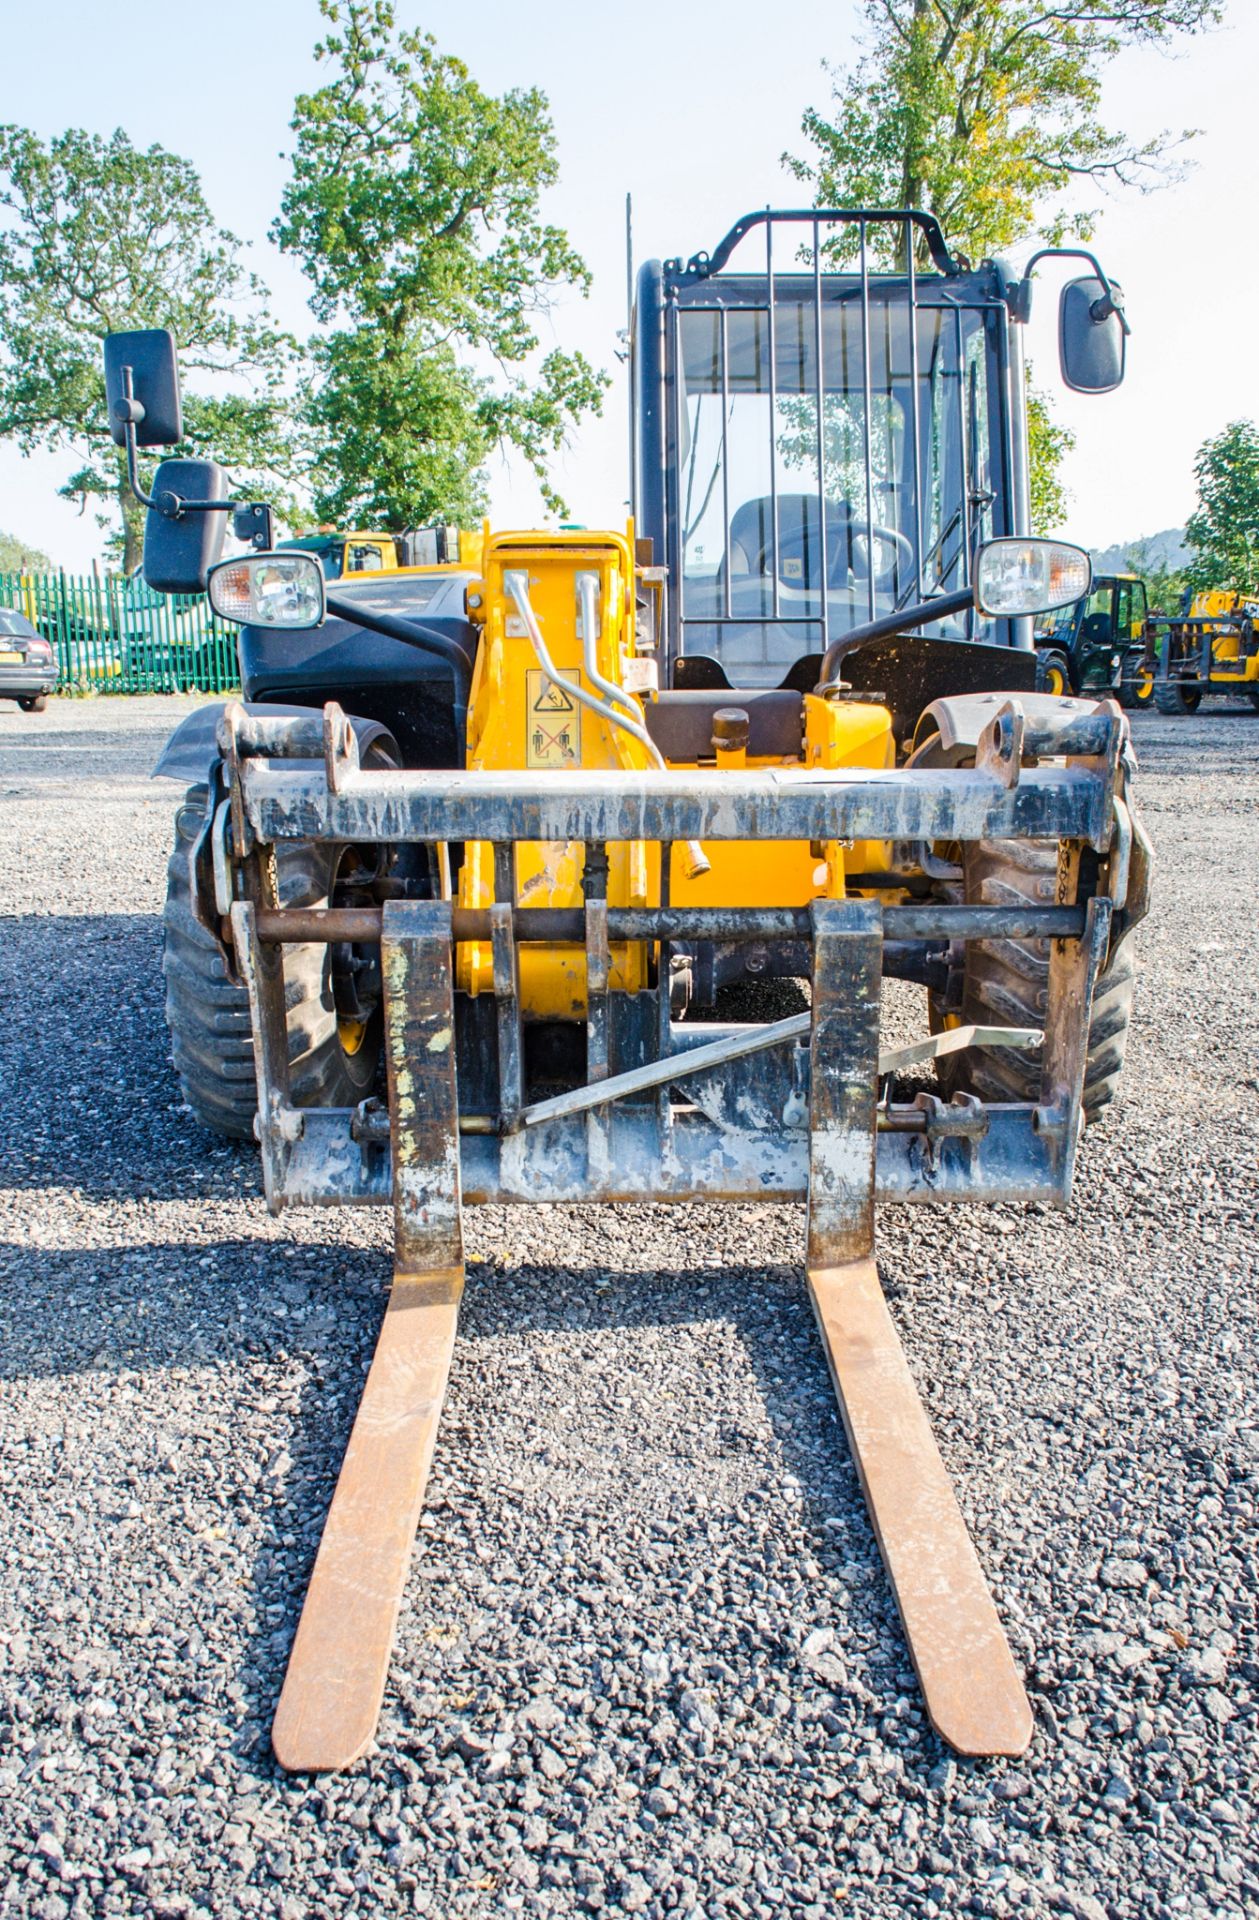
{"points": [[207, 1012], [1007, 982]]}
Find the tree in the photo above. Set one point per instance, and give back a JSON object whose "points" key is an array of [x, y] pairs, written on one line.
{"points": [[1048, 442], [988, 114], [1223, 530], [17, 556], [414, 208], [97, 235]]}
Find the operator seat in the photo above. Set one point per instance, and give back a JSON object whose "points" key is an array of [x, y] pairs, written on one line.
{"points": [[799, 540]]}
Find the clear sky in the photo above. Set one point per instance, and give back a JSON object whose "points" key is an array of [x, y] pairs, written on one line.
{"points": [[690, 108]]}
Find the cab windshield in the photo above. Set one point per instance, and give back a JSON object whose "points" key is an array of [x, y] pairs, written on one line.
{"points": [[1059, 626], [823, 483]]}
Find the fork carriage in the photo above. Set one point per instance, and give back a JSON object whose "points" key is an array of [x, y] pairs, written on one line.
{"points": [[799, 1109], [738, 1112]]}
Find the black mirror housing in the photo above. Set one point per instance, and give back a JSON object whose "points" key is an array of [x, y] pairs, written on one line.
{"points": [[1092, 341], [179, 552], [149, 352]]}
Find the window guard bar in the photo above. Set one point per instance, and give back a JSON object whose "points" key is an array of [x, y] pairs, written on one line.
{"points": [[910, 223], [701, 266]]}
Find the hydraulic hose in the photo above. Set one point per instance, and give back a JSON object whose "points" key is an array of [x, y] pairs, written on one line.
{"points": [[588, 600], [517, 585]]}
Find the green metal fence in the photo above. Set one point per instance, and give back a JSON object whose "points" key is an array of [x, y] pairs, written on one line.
{"points": [[112, 634]]}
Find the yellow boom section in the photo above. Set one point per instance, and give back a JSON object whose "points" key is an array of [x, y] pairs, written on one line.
{"points": [[522, 716], [1227, 663]]}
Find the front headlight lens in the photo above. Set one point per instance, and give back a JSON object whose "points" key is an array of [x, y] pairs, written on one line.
{"points": [[269, 590], [1030, 576]]}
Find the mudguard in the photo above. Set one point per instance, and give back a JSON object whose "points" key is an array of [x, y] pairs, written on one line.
{"points": [[950, 731], [193, 748], [961, 719]]}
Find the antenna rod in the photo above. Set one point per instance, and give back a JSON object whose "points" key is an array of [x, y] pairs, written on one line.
{"points": [[629, 350]]}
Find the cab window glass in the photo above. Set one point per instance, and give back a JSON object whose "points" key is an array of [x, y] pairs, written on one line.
{"points": [[1123, 606], [1140, 608], [364, 559]]}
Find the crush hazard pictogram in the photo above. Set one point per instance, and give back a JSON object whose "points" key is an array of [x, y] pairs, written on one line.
{"points": [[553, 736]]}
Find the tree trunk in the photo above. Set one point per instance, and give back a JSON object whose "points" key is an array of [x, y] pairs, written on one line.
{"points": [[132, 515], [913, 171]]}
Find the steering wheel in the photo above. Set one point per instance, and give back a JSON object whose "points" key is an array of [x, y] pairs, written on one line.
{"points": [[798, 555], [870, 534]]}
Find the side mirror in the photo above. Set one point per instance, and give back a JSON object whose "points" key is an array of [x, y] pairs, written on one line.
{"points": [[1092, 336], [142, 387], [1014, 577], [179, 551]]}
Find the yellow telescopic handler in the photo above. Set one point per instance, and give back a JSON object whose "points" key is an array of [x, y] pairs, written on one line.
{"points": [[452, 882]]}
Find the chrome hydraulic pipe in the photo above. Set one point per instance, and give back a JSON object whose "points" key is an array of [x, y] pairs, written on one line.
{"points": [[517, 585]]}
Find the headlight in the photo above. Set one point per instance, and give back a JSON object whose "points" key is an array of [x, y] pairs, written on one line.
{"points": [[1030, 576], [269, 590]]}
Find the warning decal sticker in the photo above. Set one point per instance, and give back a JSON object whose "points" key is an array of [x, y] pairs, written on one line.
{"points": [[553, 739]]}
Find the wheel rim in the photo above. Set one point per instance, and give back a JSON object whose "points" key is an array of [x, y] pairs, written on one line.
{"points": [[1054, 679], [353, 970], [351, 1033]]}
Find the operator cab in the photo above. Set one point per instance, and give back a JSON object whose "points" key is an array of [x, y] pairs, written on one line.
{"points": [[818, 449]]}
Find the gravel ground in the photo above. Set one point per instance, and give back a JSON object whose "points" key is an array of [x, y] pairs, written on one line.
{"points": [[648, 1662]]}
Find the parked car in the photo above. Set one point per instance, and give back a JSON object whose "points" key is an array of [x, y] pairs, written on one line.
{"points": [[28, 666]]}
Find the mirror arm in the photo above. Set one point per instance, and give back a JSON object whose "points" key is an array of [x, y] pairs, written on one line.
{"points": [[920, 616], [1103, 307], [172, 506], [131, 411]]}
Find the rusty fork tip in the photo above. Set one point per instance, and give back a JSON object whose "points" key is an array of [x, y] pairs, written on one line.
{"points": [[294, 1755], [973, 1692], [997, 1730]]}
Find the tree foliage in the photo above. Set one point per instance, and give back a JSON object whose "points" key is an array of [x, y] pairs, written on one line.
{"points": [[988, 113], [413, 206], [1223, 530], [18, 556], [1048, 443], [97, 235]]}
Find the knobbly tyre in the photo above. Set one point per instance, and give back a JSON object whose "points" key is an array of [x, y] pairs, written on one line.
{"points": [[449, 881]]}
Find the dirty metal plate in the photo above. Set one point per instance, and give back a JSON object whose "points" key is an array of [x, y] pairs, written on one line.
{"points": [[609, 803], [328, 1709], [974, 1695]]}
